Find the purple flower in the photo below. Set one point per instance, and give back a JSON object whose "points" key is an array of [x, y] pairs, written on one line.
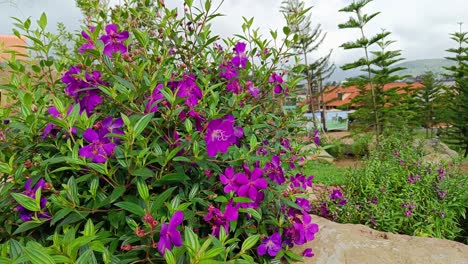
{"points": [[442, 174], [250, 186], [413, 179], [89, 45], [187, 88], [85, 92], [24, 213], [218, 219], [234, 87], [408, 213], [228, 71], [304, 230], [109, 125], [274, 170], [304, 204], [308, 253], [73, 81], [231, 180], [113, 40], [99, 151], [285, 143], [89, 101], [301, 181], [276, 79], [336, 195], [49, 129], [316, 138], [271, 244], [169, 234], [254, 91], [220, 134], [151, 105], [441, 194], [402, 162], [240, 59]]}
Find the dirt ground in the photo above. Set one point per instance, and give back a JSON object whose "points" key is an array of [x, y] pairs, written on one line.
{"points": [[348, 163]]}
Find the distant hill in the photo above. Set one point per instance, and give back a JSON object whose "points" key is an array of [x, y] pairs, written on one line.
{"points": [[413, 68], [419, 67]]}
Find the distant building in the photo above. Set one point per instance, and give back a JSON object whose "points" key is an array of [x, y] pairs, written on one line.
{"points": [[341, 97], [8, 45]]}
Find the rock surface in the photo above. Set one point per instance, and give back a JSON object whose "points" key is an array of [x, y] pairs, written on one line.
{"points": [[358, 244], [318, 154], [435, 151]]}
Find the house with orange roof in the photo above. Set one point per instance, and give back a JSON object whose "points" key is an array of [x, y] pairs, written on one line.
{"points": [[10, 44], [341, 97]]}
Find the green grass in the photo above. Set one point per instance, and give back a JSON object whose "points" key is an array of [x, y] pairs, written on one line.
{"points": [[326, 173]]}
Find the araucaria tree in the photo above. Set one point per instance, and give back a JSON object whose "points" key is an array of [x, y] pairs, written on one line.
{"points": [[377, 106], [428, 99], [307, 39], [459, 104]]}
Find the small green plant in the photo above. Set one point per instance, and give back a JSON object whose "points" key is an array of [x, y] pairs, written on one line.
{"points": [[397, 191]]}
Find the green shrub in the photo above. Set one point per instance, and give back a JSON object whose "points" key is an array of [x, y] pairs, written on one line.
{"points": [[396, 191], [151, 141]]}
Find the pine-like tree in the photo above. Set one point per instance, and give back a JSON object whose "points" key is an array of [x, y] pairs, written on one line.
{"points": [[459, 104], [378, 107], [308, 39], [428, 101]]}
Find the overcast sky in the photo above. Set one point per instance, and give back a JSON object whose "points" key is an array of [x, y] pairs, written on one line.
{"points": [[421, 28]]}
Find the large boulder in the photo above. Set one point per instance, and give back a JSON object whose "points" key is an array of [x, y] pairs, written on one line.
{"points": [[317, 153], [348, 243], [435, 151]]}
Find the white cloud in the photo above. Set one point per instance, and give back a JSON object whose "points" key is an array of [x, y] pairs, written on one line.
{"points": [[420, 27]]}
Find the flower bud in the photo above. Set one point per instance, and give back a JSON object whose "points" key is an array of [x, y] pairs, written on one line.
{"points": [[126, 247]]}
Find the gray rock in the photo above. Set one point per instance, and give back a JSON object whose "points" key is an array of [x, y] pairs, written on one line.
{"points": [[317, 153], [358, 244]]}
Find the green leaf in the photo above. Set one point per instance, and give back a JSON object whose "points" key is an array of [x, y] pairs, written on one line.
{"points": [[161, 199], [249, 242], [143, 172], [27, 202], [73, 190], [60, 215], [42, 22], [254, 213], [98, 167], [294, 256], [191, 240], [15, 248], [286, 30], [131, 207], [173, 178], [37, 256], [89, 228], [142, 189], [242, 200], [169, 257], [87, 257], [213, 253], [4, 260], [141, 124]]}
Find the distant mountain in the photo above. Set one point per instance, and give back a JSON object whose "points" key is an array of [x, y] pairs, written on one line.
{"points": [[419, 67], [413, 68]]}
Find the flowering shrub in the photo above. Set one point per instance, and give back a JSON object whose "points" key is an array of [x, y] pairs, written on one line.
{"points": [[396, 191], [151, 141]]}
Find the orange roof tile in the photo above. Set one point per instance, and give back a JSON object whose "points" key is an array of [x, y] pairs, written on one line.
{"points": [[12, 42], [331, 97]]}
